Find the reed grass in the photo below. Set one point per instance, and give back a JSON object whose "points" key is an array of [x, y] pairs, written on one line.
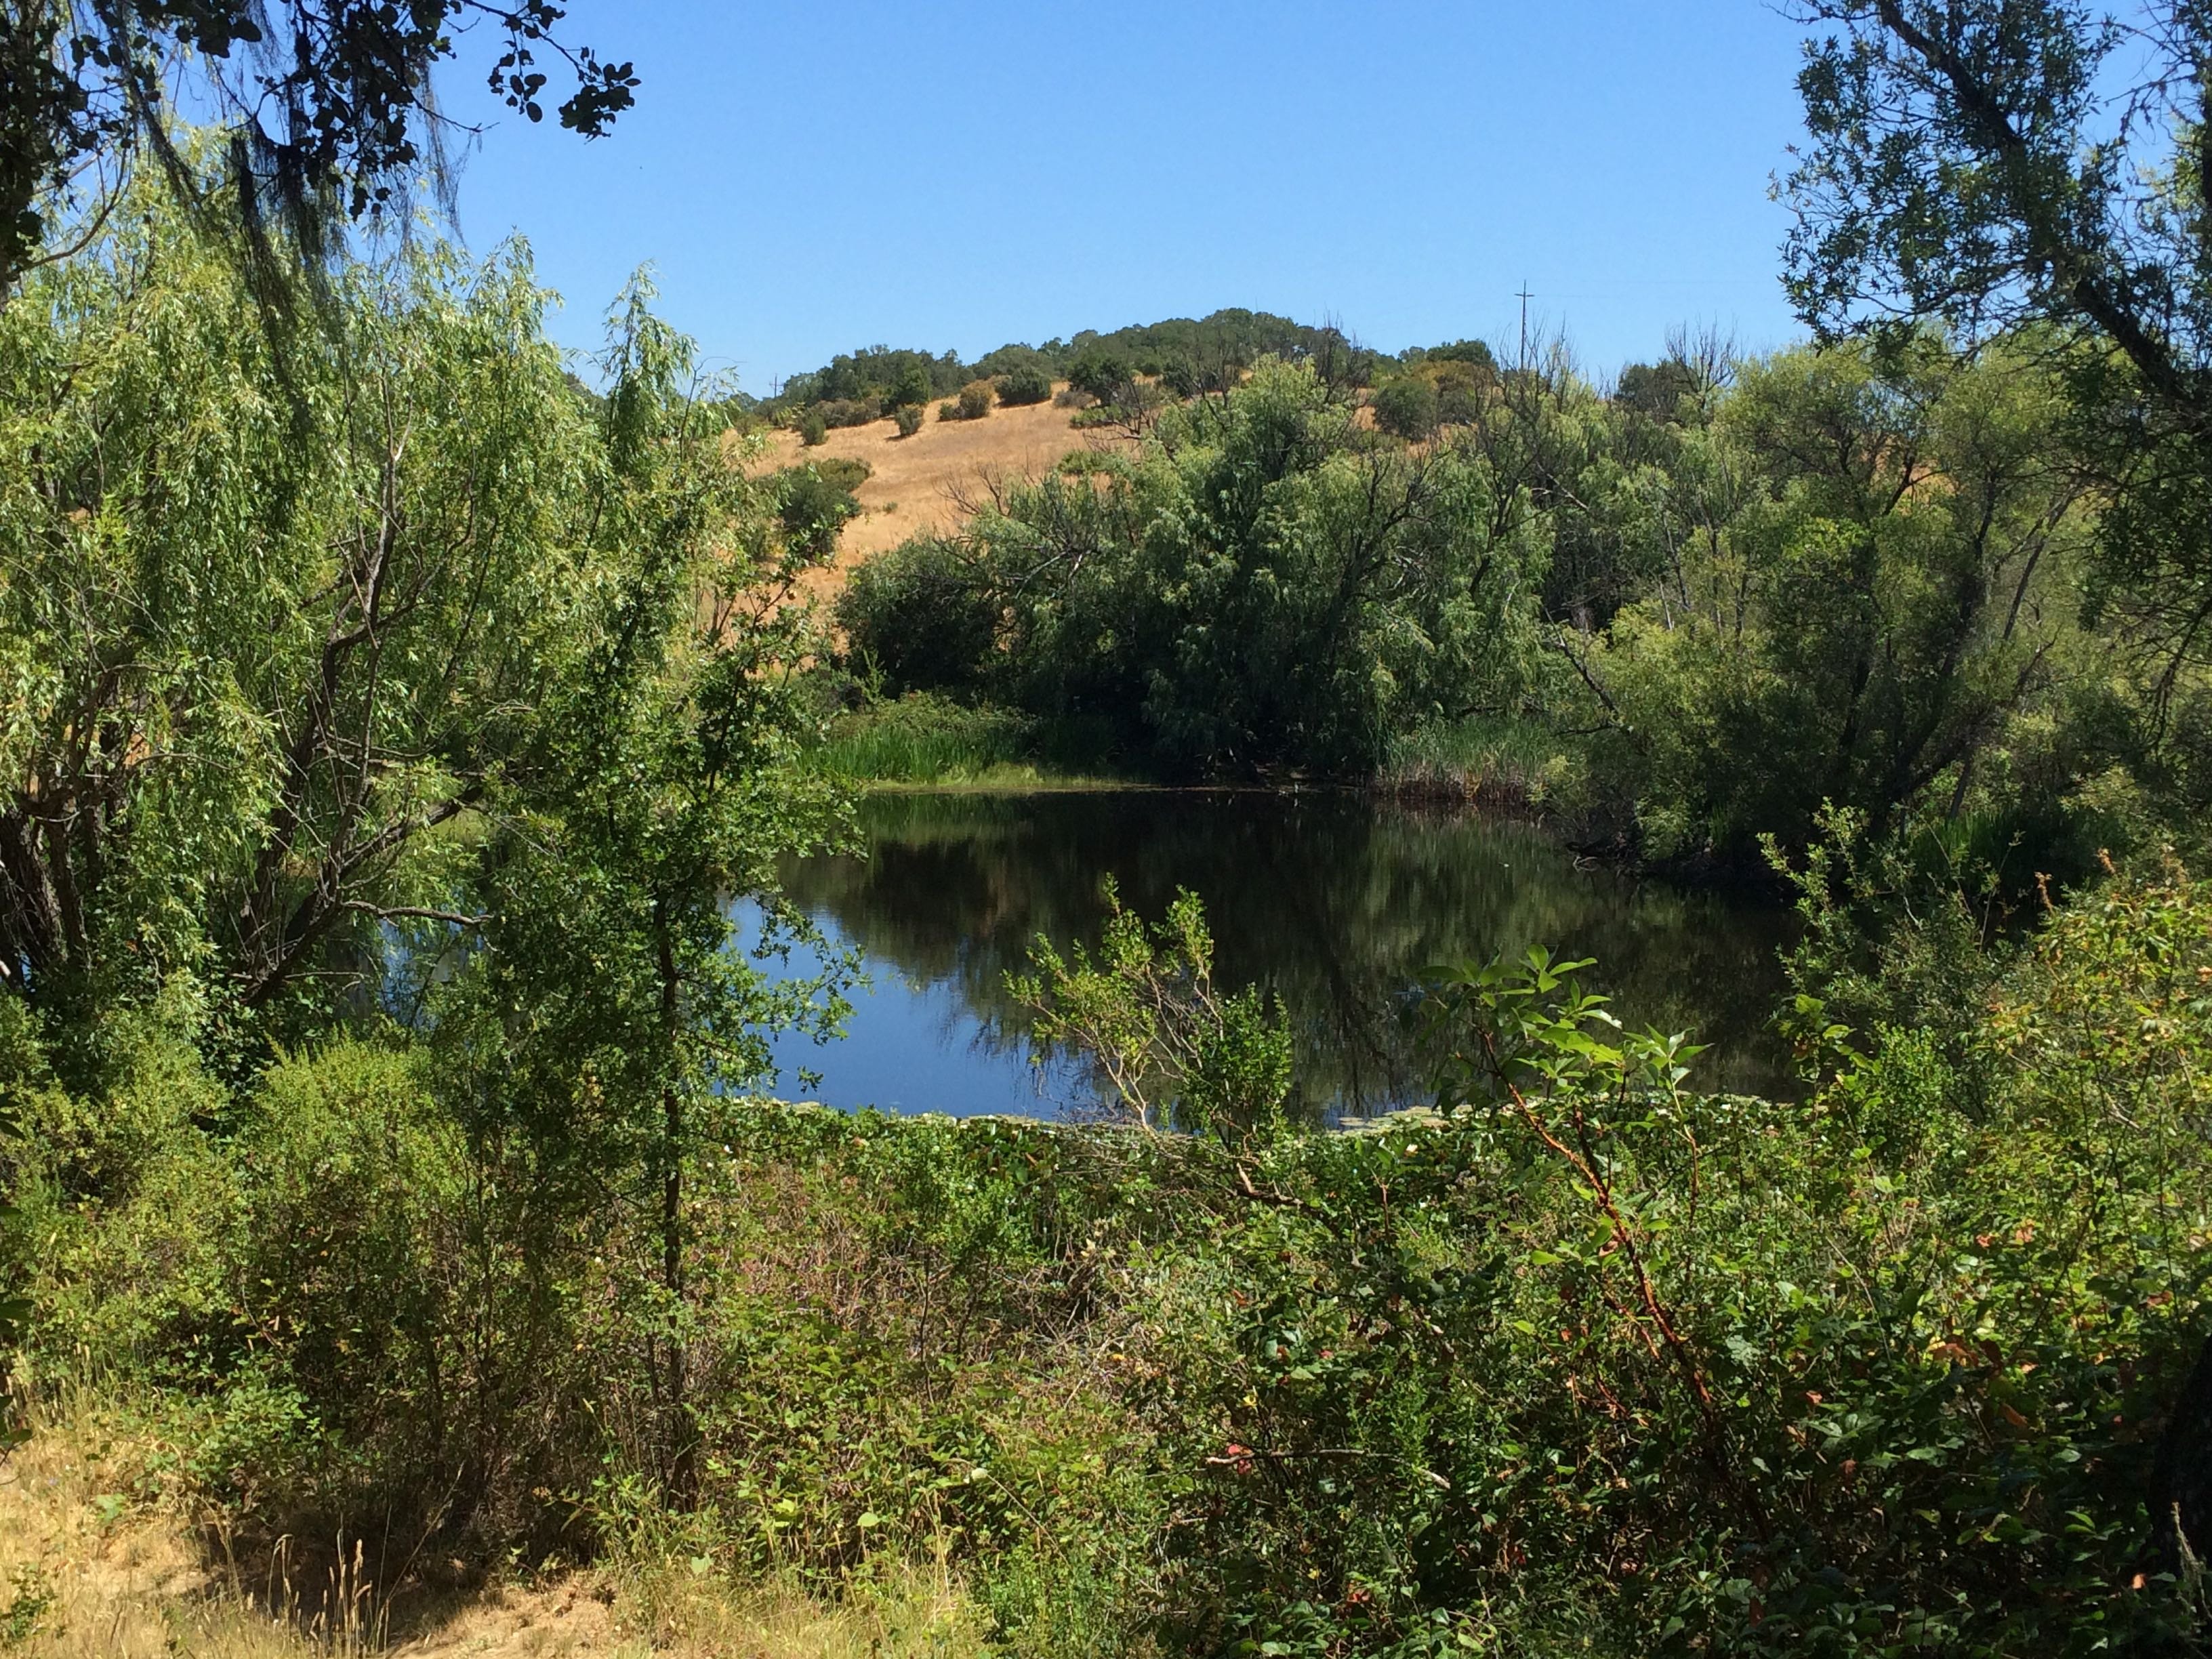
{"points": [[1503, 764], [925, 741]]}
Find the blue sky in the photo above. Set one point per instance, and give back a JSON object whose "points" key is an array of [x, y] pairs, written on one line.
{"points": [[806, 178]]}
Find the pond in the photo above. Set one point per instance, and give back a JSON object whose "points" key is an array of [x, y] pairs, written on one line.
{"points": [[1335, 902]]}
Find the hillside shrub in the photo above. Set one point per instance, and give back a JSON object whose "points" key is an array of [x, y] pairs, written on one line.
{"points": [[973, 404], [908, 418], [1026, 384], [813, 428], [814, 501], [1406, 406]]}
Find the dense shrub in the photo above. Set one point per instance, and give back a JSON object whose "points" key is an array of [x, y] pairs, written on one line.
{"points": [[921, 616], [1405, 405], [814, 501], [973, 404], [1582, 1358], [813, 428], [908, 418], [1027, 384]]}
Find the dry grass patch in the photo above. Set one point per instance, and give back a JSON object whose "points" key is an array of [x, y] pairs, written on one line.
{"points": [[918, 482], [93, 1567]]}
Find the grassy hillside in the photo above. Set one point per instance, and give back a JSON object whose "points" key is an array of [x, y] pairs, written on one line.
{"points": [[918, 483]]}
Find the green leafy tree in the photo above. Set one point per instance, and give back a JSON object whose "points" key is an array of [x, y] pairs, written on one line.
{"points": [[289, 701], [280, 689], [910, 388], [322, 102], [608, 1019], [923, 617], [1871, 589], [1989, 166]]}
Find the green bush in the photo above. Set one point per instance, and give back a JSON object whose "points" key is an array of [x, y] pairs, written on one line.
{"points": [[1026, 384], [813, 428], [1406, 406], [813, 502], [920, 617], [908, 418], [973, 404], [1580, 1360]]}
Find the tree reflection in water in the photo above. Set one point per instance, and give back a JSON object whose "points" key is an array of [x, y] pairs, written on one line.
{"points": [[1335, 902]]}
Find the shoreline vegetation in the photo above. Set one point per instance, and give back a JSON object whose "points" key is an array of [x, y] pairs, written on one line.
{"points": [[921, 741]]}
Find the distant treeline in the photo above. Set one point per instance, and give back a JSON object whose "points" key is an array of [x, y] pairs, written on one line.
{"points": [[1186, 355]]}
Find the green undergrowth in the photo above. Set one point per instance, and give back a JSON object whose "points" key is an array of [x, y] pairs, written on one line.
{"points": [[1501, 763], [922, 740], [1583, 1360]]}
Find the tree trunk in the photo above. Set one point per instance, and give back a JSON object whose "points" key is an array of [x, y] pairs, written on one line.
{"points": [[2181, 1473], [679, 1431]]}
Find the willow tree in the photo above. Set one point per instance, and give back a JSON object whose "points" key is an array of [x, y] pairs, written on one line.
{"points": [[286, 637], [391, 649], [1990, 164]]}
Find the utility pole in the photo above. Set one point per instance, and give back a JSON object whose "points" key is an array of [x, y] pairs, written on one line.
{"points": [[1524, 297]]}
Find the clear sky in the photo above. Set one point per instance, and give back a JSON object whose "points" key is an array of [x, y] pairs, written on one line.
{"points": [[807, 176]]}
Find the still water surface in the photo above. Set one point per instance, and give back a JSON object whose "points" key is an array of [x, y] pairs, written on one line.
{"points": [[1335, 903]]}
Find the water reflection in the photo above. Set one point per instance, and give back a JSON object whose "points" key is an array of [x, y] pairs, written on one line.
{"points": [[1335, 902]]}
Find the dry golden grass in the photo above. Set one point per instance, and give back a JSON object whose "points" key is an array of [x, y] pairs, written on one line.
{"points": [[918, 483], [88, 1571]]}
